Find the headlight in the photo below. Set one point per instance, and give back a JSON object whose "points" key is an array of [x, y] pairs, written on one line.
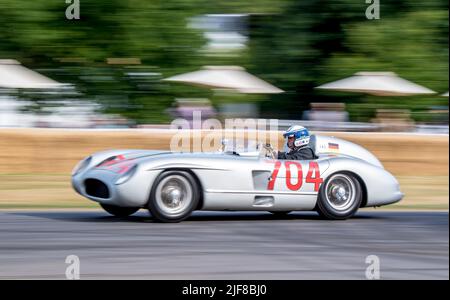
{"points": [[81, 166], [127, 175]]}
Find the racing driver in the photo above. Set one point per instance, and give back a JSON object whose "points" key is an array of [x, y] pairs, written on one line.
{"points": [[297, 140]]}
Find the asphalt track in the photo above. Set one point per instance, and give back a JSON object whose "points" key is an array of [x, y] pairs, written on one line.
{"points": [[216, 245]]}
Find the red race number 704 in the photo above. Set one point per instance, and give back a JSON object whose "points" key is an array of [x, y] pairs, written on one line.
{"points": [[313, 175]]}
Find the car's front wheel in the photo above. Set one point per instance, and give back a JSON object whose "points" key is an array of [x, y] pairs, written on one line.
{"points": [[175, 194], [340, 197], [119, 211]]}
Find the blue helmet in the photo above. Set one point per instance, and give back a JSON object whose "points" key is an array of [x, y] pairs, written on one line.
{"points": [[300, 133]]}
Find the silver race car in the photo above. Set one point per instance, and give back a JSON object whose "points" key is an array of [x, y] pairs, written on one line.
{"points": [[171, 185]]}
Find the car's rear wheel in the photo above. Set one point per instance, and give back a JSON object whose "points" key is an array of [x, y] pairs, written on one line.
{"points": [[174, 196], [119, 211], [340, 196]]}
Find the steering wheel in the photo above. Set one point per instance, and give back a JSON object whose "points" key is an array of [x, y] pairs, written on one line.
{"points": [[268, 152]]}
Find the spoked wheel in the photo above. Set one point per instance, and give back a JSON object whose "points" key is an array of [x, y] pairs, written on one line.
{"points": [[174, 196], [119, 211], [339, 197]]}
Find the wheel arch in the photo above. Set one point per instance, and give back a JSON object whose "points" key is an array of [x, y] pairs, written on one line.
{"points": [[363, 188]]}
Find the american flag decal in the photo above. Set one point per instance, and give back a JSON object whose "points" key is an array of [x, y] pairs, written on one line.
{"points": [[333, 146]]}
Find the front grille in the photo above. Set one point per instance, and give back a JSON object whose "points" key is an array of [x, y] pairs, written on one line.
{"points": [[96, 188]]}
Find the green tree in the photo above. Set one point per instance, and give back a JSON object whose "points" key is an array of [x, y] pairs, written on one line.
{"points": [[313, 42]]}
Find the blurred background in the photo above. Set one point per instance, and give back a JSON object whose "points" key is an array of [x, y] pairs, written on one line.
{"points": [[136, 64], [116, 54]]}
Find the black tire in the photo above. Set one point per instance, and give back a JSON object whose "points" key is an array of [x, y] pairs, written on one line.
{"points": [[280, 214], [118, 211], [173, 188], [333, 203]]}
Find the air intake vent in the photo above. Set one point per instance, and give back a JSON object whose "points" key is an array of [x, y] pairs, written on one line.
{"points": [[96, 188]]}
